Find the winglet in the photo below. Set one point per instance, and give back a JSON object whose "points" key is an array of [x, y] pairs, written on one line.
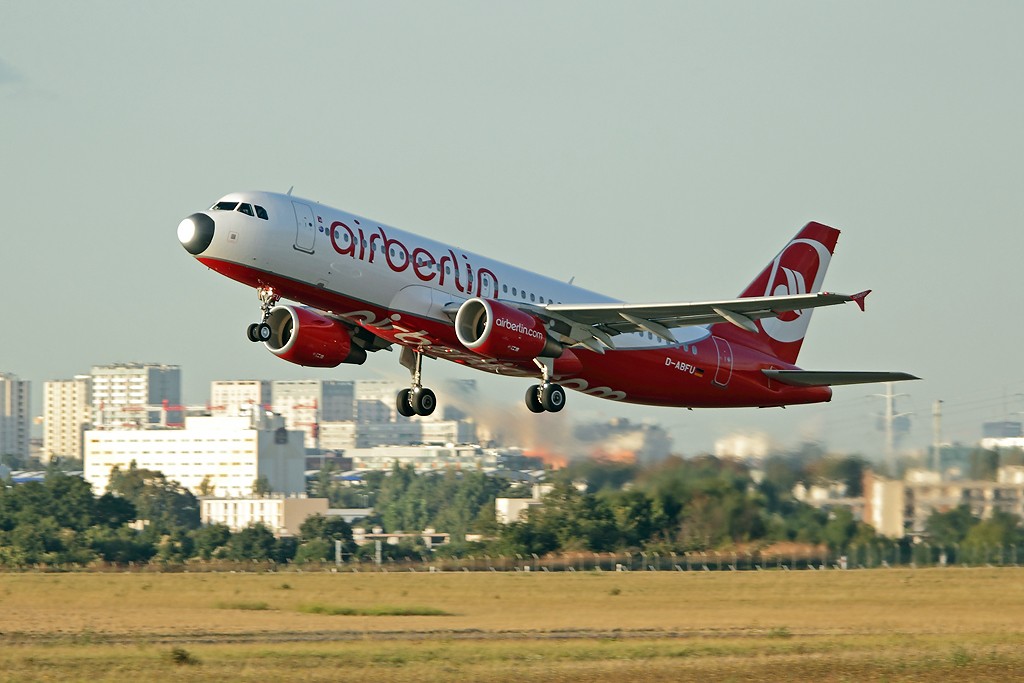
{"points": [[859, 298]]}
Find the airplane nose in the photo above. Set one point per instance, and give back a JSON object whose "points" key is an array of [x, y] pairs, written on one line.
{"points": [[196, 233]]}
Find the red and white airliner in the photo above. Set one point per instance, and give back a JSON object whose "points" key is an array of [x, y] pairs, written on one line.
{"points": [[360, 287]]}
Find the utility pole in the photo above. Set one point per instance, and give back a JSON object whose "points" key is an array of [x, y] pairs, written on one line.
{"points": [[937, 436], [889, 422]]}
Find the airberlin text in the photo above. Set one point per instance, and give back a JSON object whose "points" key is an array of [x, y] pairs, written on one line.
{"points": [[518, 328], [425, 265]]}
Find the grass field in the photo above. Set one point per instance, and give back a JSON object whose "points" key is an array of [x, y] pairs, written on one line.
{"points": [[885, 625]]}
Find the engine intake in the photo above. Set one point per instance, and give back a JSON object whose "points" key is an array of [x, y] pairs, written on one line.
{"points": [[304, 337], [496, 330]]}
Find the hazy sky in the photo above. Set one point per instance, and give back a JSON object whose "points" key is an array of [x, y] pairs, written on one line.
{"points": [[655, 151]]}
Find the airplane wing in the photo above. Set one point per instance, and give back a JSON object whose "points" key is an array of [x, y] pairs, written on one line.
{"points": [[814, 378], [594, 325]]}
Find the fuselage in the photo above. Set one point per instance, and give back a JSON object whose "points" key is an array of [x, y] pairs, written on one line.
{"points": [[403, 288]]}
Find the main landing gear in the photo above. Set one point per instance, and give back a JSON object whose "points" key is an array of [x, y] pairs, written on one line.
{"points": [[546, 396], [260, 332], [417, 399]]}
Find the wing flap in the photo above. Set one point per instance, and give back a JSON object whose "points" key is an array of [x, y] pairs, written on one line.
{"points": [[620, 318], [816, 378]]}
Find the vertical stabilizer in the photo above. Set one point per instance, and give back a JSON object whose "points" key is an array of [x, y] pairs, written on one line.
{"points": [[798, 269]]}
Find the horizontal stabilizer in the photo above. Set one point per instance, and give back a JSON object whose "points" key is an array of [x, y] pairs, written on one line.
{"points": [[813, 378]]}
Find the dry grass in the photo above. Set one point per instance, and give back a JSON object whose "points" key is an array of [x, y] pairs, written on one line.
{"points": [[934, 624]]}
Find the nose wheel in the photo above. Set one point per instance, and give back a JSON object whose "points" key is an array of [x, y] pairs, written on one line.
{"points": [[260, 332], [546, 396], [417, 399]]}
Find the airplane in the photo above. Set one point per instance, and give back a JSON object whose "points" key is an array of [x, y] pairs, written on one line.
{"points": [[360, 286]]}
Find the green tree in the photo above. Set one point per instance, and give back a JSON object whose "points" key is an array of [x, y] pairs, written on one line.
{"points": [[254, 542], [989, 537], [211, 541], [164, 503], [113, 511], [261, 486], [950, 528], [119, 545], [315, 550]]}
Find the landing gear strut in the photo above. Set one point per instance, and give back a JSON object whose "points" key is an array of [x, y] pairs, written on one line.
{"points": [[260, 332], [546, 396], [416, 400]]}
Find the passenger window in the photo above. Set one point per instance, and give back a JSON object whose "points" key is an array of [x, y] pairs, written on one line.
{"points": [[514, 291], [533, 298], [504, 288], [246, 209], [224, 206], [262, 213]]}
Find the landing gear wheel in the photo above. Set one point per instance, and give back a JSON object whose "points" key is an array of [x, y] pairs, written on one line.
{"points": [[251, 332], [263, 332], [533, 399], [403, 404], [423, 401], [552, 397]]}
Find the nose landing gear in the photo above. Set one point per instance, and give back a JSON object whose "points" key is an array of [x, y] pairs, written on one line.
{"points": [[416, 400], [260, 332]]}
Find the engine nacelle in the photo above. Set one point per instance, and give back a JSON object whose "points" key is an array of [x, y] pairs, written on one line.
{"points": [[496, 330], [304, 337]]}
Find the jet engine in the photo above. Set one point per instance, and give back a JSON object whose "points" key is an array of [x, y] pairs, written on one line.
{"points": [[496, 330], [304, 337]]}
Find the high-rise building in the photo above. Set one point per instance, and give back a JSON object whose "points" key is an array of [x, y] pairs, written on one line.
{"points": [[375, 402], [15, 423], [67, 412], [134, 394], [234, 398], [306, 403]]}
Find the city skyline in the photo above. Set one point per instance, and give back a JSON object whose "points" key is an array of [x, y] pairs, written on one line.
{"points": [[602, 143]]}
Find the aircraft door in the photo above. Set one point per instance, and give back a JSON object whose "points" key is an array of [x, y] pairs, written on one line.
{"points": [[724, 372], [305, 230]]}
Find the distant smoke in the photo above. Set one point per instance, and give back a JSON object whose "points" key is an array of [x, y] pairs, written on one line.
{"points": [[515, 425]]}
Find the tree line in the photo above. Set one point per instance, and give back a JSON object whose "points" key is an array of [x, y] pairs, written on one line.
{"points": [[142, 517], [675, 506]]}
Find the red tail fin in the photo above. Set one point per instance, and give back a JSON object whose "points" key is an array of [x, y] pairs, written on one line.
{"points": [[798, 269]]}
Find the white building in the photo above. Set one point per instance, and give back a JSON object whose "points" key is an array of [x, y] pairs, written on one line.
{"points": [[744, 446], [235, 398], [509, 510], [425, 458], [282, 515], [134, 394], [67, 410], [222, 456], [344, 436], [15, 421], [884, 505]]}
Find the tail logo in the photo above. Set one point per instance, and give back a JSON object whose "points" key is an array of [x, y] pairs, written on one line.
{"points": [[802, 261]]}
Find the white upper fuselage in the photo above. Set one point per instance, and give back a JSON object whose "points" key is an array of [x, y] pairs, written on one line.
{"points": [[370, 263]]}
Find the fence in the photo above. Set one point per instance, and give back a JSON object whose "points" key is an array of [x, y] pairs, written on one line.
{"points": [[869, 556]]}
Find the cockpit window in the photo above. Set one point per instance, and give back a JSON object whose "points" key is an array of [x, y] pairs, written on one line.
{"points": [[224, 206], [246, 209], [262, 213]]}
